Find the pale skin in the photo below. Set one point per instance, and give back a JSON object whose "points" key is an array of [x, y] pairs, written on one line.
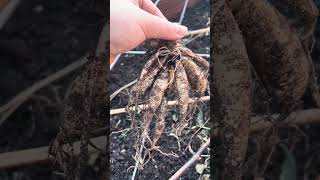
{"points": [[134, 21]]}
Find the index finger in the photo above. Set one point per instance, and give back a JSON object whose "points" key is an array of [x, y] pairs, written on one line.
{"points": [[151, 8]]}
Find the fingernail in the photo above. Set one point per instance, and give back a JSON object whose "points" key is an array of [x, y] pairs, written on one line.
{"points": [[181, 30]]}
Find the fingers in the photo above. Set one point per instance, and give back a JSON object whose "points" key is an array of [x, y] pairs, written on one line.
{"points": [[151, 8], [159, 28]]}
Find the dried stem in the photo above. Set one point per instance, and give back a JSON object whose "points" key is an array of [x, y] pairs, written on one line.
{"points": [[144, 106], [7, 11], [103, 39], [191, 161], [138, 156], [40, 155], [258, 123], [199, 31], [7, 109], [301, 117], [113, 95]]}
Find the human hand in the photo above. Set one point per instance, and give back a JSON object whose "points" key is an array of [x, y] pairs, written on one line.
{"points": [[134, 21]]}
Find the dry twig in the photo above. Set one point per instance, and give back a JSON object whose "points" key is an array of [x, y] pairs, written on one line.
{"points": [[258, 123], [113, 95], [191, 161], [40, 155], [7, 109], [199, 31], [144, 106], [7, 10]]}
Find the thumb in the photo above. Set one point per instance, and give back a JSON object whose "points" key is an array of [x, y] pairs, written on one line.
{"points": [[159, 28]]}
